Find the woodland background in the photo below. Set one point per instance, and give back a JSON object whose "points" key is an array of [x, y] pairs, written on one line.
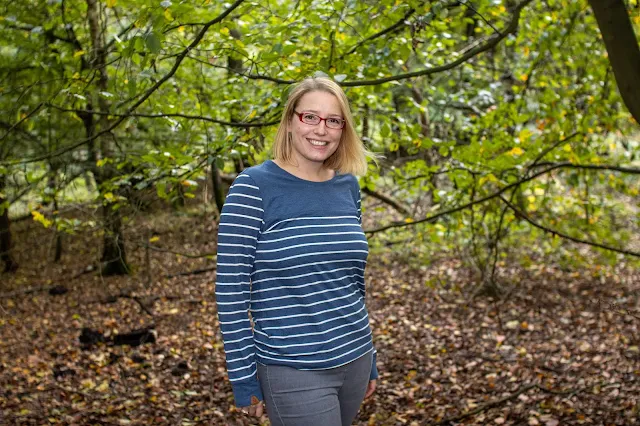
{"points": [[503, 215]]}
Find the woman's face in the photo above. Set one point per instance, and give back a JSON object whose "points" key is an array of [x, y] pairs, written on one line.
{"points": [[313, 144]]}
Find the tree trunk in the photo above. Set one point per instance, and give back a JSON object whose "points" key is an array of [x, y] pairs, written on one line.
{"points": [[622, 47], [218, 191], [10, 265], [113, 250]]}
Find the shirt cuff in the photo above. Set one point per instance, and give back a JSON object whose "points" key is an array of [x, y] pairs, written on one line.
{"points": [[374, 368], [242, 392]]}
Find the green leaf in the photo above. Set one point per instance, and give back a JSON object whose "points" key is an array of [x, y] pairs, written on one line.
{"points": [[385, 130], [153, 43]]}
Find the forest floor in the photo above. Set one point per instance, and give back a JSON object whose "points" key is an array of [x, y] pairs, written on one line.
{"points": [[560, 348]]}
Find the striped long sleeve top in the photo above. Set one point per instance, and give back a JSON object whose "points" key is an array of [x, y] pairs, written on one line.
{"points": [[291, 259]]}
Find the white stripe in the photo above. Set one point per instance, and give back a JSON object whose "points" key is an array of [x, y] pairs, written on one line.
{"points": [[241, 215], [244, 206], [237, 340], [229, 303], [223, 313], [293, 277], [309, 264], [308, 218], [231, 274], [310, 324], [234, 322], [315, 361], [312, 244], [245, 329], [318, 343], [238, 225], [243, 377], [241, 283], [234, 264], [304, 295], [308, 235], [232, 293], [244, 175], [246, 196], [289, 336], [237, 236], [308, 314], [244, 184], [239, 350], [234, 245], [233, 370], [304, 305], [317, 253], [307, 285], [316, 226], [236, 254]]}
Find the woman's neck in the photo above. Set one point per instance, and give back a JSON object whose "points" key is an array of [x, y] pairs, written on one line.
{"points": [[319, 174]]}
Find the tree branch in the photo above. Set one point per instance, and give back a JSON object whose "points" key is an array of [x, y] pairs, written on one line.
{"points": [[551, 167], [388, 200], [165, 115], [391, 29], [143, 98], [568, 237], [493, 41]]}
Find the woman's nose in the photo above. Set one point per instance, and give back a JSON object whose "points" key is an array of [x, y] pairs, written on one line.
{"points": [[321, 128]]}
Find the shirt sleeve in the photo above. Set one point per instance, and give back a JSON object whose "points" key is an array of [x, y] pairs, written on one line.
{"points": [[374, 368], [240, 225]]}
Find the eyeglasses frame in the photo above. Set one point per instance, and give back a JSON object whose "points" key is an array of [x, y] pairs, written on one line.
{"points": [[300, 114]]}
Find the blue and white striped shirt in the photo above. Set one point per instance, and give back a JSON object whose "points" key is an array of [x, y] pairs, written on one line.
{"points": [[291, 253]]}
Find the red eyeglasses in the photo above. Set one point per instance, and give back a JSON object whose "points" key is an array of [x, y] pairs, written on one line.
{"points": [[314, 119]]}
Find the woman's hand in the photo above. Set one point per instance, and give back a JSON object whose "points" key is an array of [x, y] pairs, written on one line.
{"points": [[371, 388], [256, 409]]}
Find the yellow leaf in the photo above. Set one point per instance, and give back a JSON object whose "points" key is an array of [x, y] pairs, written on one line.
{"points": [[167, 15], [408, 220], [38, 217], [154, 239], [111, 3], [567, 148], [224, 31], [524, 77], [516, 151], [181, 28], [78, 53], [108, 196], [524, 135], [103, 387], [531, 198], [253, 114]]}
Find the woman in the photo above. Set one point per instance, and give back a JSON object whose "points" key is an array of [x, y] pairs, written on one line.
{"points": [[291, 253]]}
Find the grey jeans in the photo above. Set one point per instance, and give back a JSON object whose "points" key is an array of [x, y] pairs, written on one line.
{"points": [[319, 397]]}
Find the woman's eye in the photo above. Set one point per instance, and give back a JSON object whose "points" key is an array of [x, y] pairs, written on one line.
{"points": [[309, 117], [335, 121]]}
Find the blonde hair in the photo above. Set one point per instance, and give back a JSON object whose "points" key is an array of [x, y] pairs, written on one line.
{"points": [[351, 155]]}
